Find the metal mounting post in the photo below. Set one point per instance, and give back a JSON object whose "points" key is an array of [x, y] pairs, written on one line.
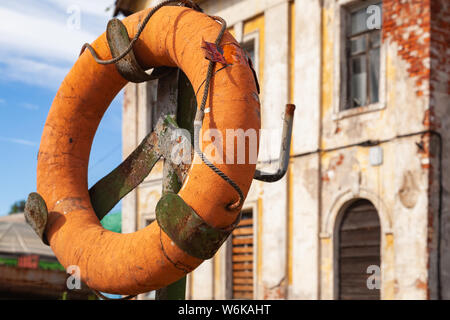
{"points": [[167, 105]]}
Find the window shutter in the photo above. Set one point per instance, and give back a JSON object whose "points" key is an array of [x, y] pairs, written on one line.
{"points": [[242, 258]]}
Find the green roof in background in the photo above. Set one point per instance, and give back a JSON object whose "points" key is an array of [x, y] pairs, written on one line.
{"points": [[113, 222]]}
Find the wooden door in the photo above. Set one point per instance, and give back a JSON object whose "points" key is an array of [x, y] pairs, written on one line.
{"points": [[359, 248]]}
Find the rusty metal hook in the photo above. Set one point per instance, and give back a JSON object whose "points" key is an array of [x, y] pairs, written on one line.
{"points": [[283, 161]]}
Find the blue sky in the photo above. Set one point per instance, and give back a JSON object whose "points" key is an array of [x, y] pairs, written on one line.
{"points": [[39, 42]]}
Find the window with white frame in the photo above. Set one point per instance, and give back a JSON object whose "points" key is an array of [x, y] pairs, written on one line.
{"points": [[362, 55]]}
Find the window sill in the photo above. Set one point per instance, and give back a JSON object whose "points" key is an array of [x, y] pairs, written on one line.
{"points": [[358, 111]]}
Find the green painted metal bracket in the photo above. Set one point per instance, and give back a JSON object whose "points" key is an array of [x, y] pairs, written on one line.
{"points": [[128, 67], [107, 192], [187, 229]]}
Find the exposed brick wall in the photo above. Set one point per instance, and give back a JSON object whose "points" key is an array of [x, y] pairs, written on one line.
{"points": [[407, 22], [421, 30]]}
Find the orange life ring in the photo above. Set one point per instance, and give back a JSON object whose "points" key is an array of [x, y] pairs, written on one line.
{"points": [[147, 259]]}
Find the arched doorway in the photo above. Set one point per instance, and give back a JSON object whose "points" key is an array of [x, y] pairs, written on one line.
{"points": [[357, 249]]}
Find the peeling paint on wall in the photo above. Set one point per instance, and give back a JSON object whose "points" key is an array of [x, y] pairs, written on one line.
{"points": [[408, 24], [409, 191]]}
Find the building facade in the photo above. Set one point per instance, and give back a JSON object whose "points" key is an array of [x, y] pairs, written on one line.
{"points": [[363, 211], [29, 269]]}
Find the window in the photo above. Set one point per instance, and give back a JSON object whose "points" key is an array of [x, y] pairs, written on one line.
{"points": [[242, 253], [358, 252], [363, 41], [249, 47], [250, 44]]}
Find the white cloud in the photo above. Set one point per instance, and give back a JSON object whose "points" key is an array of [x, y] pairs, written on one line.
{"points": [[96, 8], [2, 101], [32, 72], [19, 141], [38, 46], [39, 38]]}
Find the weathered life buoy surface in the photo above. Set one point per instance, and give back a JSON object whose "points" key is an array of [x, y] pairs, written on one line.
{"points": [[147, 259]]}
